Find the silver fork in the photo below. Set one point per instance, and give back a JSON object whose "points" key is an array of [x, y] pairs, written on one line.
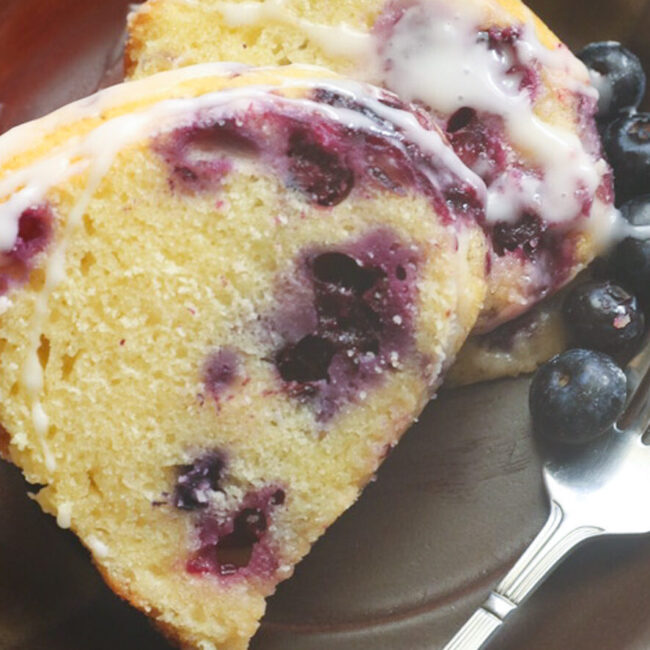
{"points": [[594, 490]]}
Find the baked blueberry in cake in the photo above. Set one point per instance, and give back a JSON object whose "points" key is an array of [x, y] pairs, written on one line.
{"points": [[516, 105], [226, 292]]}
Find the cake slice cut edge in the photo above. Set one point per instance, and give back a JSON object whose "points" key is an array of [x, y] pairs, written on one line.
{"points": [[218, 317]]}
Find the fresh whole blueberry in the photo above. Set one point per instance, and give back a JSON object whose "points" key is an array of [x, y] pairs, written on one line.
{"points": [[576, 396], [603, 316], [627, 144], [630, 265], [617, 74]]}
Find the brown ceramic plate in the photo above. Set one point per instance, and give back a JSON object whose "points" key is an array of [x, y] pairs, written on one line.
{"points": [[452, 508]]}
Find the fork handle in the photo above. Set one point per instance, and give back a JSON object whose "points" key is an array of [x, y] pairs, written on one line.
{"points": [[558, 537]]}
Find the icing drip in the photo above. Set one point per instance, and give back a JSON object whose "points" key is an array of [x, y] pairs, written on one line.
{"points": [[98, 548], [438, 55], [32, 183], [434, 52], [64, 515]]}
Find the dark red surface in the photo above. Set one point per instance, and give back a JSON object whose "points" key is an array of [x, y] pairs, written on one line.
{"points": [[54, 51], [453, 506]]}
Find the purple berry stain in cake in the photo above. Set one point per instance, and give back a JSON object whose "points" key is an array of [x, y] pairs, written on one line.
{"points": [[220, 371], [196, 482], [361, 306], [35, 226], [395, 164], [523, 233], [502, 41], [320, 158], [481, 138], [319, 173], [531, 238], [236, 544], [502, 44], [479, 141], [200, 156]]}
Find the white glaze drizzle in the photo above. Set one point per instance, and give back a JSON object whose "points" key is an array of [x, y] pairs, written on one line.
{"points": [[64, 515], [19, 138], [114, 134], [436, 57], [98, 548], [339, 41], [94, 153], [433, 56], [26, 194], [99, 160]]}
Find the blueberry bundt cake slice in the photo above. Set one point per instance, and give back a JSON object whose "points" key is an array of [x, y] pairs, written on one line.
{"points": [[516, 105], [516, 347], [225, 294]]}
